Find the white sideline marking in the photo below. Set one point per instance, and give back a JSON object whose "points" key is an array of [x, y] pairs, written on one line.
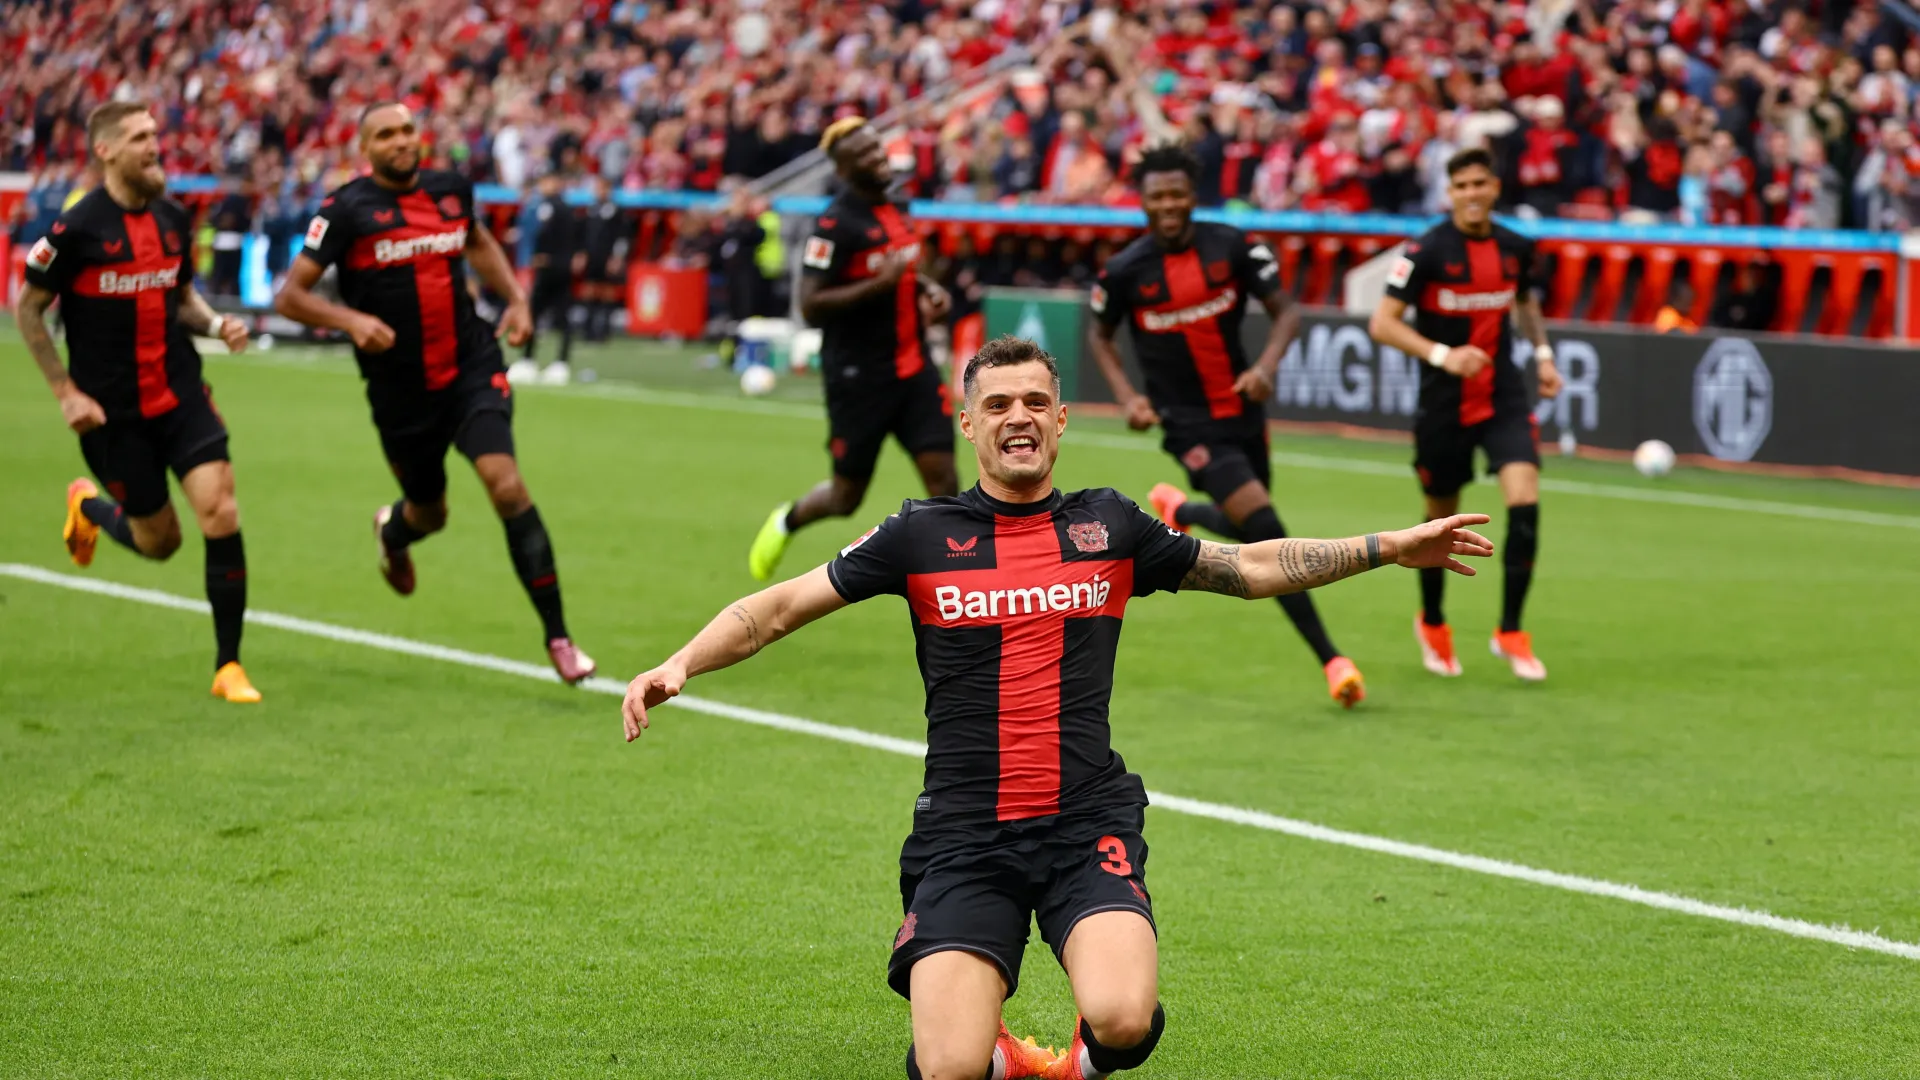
{"points": [[684, 399], [1306, 830]]}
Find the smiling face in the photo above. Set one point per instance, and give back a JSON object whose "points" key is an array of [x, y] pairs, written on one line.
{"points": [[392, 144], [861, 161], [1014, 418], [1168, 199], [1474, 190], [131, 155]]}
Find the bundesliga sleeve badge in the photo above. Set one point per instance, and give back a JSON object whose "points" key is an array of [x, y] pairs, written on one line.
{"points": [[41, 255], [1402, 271], [818, 253], [1098, 301], [316, 232]]}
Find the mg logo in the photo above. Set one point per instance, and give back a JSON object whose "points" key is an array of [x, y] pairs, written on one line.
{"points": [[1732, 399]]}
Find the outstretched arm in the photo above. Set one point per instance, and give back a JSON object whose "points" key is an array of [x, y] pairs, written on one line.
{"points": [[1275, 567], [744, 628]]}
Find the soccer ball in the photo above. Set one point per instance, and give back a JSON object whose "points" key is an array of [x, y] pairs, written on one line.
{"points": [[756, 380], [1653, 458]]}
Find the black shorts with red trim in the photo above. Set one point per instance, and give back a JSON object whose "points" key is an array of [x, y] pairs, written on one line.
{"points": [[131, 456], [1443, 447], [474, 416], [978, 889], [917, 411], [1220, 456]]}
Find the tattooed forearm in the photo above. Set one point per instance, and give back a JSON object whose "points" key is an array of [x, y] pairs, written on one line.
{"points": [[1308, 564], [748, 623], [30, 313], [1217, 570]]}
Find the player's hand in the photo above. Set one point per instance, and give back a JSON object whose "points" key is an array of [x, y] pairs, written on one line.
{"points": [[234, 332], [1254, 383], [1140, 414], [1435, 543], [516, 323], [1549, 378], [935, 303], [371, 335], [649, 690], [893, 267], [80, 411], [1466, 361]]}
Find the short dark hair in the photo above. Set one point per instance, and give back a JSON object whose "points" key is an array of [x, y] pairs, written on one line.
{"points": [[1463, 160], [1007, 351], [104, 122], [1167, 157]]}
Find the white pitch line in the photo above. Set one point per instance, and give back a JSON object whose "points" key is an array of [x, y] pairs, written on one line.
{"points": [[685, 399], [1306, 830]]}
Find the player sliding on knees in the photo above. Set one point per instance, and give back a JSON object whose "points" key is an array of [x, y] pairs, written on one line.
{"points": [[120, 261], [1016, 592], [1462, 278], [1182, 290], [861, 286], [402, 237]]}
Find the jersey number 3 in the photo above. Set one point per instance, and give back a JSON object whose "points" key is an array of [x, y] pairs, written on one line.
{"points": [[1116, 853]]}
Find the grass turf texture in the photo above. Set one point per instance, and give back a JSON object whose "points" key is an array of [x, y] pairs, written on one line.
{"points": [[396, 867]]}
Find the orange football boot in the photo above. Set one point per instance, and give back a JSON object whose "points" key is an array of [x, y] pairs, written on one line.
{"points": [[230, 684], [1167, 500], [80, 533], [1344, 683], [1021, 1057], [1516, 648], [1436, 647]]}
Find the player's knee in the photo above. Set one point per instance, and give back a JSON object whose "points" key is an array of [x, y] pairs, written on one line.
{"points": [[949, 1062], [1124, 1036], [222, 518], [509, 495]]}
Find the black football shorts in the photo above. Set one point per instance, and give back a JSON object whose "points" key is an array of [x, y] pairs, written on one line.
{"points": [[917, 411], [1443, 448], [474, 416], [978, 890], [131, 457], [1220, 458]]}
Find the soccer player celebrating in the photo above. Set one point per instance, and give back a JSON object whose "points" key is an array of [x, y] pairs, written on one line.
{"points": [[1016, 593], [1462, 278], [860, 286], [1183, 287], [401, 237], [120, 262]]}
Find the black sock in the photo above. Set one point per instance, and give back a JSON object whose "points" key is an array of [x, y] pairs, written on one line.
{"points": [[1523, 541], [1264, 524], [111, 518], [227, 594], [532, 556], [913, 1064], [788, 521], [566, 334], [1433, 582], [1208, 516], [397, 533], [1106, 1059]]}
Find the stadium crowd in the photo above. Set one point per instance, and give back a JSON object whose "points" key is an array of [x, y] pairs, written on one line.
{"points": [[1703, 111]]}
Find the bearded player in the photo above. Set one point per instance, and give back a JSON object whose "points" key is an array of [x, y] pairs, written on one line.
{"points": [[1016, 592], [860, 285], [1463, 278], [401, 237], [120, 262], [1182, 290]]}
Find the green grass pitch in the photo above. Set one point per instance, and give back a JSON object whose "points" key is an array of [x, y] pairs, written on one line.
{"points": [[398, 867]]}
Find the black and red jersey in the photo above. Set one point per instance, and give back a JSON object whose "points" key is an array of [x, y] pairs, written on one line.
{"points": [[1016, 613], [881, 340], [119, 274], [1462, 290], [1185, 308], [402, 259]]}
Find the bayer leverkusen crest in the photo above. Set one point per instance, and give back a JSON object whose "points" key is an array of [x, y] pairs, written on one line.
{"points": [[1088, 536]]}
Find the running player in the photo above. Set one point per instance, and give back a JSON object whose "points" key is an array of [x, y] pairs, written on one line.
{"points": [[1016, 592], [120, 262], [1183, 288], [401, 237], [860, 285], [1462, 278]]}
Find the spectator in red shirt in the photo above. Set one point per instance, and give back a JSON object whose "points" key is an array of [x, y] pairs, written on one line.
{"points": [[1731, 198], [1330, 176], [1548, 159]]}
